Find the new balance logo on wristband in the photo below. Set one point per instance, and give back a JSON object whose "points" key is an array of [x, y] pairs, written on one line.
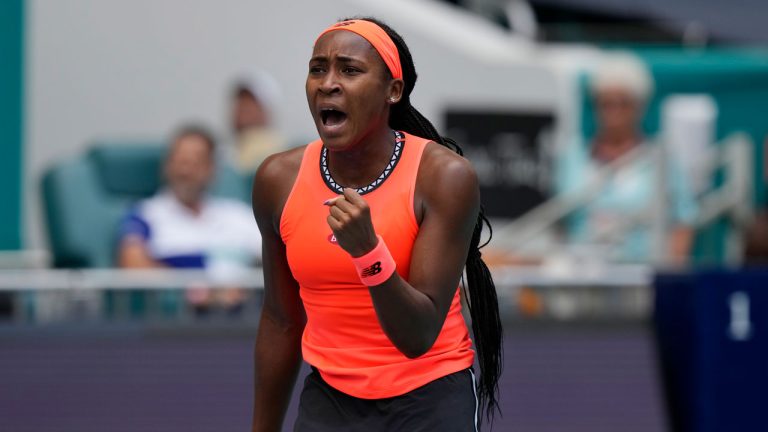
{"points": [[373, 270], [382, 268]]}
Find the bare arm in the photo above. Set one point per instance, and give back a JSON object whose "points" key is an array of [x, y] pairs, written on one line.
{"points": [[756, 247], [680, 243], [412, 312], [277, 352], [133, 254]]}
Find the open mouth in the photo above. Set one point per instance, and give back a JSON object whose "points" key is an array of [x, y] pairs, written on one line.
{"points": [[332, 117]]}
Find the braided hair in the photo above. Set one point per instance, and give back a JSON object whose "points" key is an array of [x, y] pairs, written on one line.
{"points": [[481, 297]]}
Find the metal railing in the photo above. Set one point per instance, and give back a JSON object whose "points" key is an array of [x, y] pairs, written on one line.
{"points": [[583, 291], [732, 199], [118, 279]]}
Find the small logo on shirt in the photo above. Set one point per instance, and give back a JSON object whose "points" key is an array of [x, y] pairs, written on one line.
{"points": [[332, 239], [373, 270]]}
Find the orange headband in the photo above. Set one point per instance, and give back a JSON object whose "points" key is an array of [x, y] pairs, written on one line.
{"points": [[377, 37]]}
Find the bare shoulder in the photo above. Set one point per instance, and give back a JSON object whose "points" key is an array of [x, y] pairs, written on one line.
{"points": [[445, 179], [444, 167], [273, 182], [278, 166]]}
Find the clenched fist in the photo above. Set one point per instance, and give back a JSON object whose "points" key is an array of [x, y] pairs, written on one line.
{"points": [[350, 219]]}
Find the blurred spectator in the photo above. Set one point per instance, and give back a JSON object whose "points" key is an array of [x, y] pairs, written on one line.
{"points": [[620, 87], [757, 240], [756, 250], [182, 227], [254, 135]]}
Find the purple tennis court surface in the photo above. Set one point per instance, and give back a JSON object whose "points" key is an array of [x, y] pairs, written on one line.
{"points": [[560, 378]]}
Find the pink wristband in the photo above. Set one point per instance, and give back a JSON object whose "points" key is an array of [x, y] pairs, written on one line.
{"points": [[376, 266]]}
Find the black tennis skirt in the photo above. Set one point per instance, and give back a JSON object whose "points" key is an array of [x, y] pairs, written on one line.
{"points": [[447, 404]]}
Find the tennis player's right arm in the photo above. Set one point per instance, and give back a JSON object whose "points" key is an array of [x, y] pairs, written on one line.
{"points": [[278, 342], [277, 352]]}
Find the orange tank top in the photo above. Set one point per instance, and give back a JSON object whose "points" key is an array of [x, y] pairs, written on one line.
{"points": [[343, 338]]}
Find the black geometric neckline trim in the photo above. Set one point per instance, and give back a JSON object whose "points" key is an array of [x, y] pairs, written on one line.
{"points": [[331, 183]]}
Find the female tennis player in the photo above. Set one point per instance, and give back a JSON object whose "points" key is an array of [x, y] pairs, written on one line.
{"points": [[366, 234]]}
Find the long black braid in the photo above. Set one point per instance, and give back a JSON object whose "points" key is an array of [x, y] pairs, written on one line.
{"points": [[482, 301]]}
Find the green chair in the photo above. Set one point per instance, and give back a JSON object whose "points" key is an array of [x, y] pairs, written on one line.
{"points": [[86, 197]]}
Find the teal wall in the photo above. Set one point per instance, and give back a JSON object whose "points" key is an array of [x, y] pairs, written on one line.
{"points": [[11, 120]]}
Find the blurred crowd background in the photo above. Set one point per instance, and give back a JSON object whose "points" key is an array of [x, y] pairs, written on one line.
{"points": [[622, 151]]}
